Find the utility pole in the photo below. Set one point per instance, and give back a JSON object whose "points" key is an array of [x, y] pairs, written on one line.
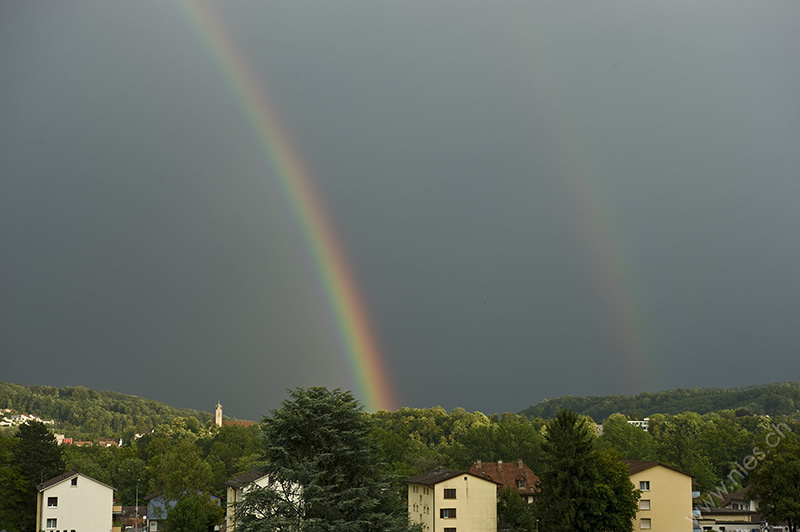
{"points": [[136, 508]]}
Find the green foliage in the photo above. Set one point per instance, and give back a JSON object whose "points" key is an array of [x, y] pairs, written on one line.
{"points": [[323, 468], [178, 470], [582, 489], [82, 413], [38, 458], [769, 399], [514, 514], [194, 513], [776, 483], [631, 442], [508, 440], [12, 486]]}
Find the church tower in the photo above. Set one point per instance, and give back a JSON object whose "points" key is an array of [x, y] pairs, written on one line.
{"points": [[218, 416]]}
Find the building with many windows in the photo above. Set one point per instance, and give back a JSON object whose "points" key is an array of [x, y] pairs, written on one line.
{"points": [[447, 500]]}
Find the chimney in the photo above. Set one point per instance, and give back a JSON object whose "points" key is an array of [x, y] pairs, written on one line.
{"points": [[519, 463], [478, 463]]}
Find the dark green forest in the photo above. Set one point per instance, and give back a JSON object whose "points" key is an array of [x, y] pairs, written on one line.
{"points": [[768, 399], [83, 414]]}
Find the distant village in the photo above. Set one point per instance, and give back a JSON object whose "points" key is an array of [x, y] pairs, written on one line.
{"points": [[443, 500]]}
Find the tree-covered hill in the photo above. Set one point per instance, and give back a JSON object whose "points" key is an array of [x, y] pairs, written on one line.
{"points": [[82, 413], [769, 399]]}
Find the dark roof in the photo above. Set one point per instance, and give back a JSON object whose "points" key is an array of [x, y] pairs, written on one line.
{"points": [[245, 478], [507, 474], [65, 476], [434, 477], [438, 475], [637, 466]]}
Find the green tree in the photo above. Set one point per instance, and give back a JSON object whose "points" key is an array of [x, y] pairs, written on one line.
{"points": [[38, 458], [195, 512], [776, 483], [679, 445], [582, 489], [324, 475], [514, 514], [178, 470], [12, 486], [630, 441]]}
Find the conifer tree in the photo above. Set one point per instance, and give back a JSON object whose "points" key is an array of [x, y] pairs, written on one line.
{"points": [[323, 469], [582, 489]]}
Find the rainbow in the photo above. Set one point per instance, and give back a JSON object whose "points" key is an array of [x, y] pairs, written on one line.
{"points": [[594, 217], [286, 165]]}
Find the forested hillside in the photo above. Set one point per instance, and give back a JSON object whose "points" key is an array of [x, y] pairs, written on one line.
{"points": [[82, 413], [768, 399]]}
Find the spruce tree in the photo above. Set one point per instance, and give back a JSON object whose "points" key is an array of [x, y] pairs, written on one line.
{"points": [[582, 489], [38, 458]]}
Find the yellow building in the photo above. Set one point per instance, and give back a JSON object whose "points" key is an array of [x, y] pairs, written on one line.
{"points": [[666, 501], [445, 500]]}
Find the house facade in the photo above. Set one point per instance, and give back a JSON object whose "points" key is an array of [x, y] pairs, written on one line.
{"points": [[447, 500], [74, 502], [666, 497], [237, 487]]}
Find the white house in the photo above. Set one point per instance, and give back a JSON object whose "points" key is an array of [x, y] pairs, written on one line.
{"points": [[74, 502], [237, 487]]}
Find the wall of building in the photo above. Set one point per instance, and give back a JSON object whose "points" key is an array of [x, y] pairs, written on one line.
{"points": [[670, 500], [475, 505], [85, 507]]}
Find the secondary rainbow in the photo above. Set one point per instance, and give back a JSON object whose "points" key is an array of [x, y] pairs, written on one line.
{"points": [[593, 213], [286, 166]]}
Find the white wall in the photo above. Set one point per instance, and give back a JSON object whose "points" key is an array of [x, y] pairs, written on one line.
{"points": [[85, 507]]}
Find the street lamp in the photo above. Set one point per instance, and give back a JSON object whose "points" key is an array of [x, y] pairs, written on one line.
{"points": [[136, 508]]}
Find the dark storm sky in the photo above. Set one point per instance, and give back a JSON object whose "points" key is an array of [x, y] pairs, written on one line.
{"points": [[536, 198]]}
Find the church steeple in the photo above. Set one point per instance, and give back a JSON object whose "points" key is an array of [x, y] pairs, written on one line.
{"points": [[218, 416]]}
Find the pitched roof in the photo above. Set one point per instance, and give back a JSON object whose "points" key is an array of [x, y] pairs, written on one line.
{"points": [[434, 477], [245, 478], [637, 466], [66, 476], [515, 475]]}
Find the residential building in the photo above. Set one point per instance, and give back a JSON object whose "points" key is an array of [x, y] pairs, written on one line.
{"points": [[735, 512], [666, 497], [237, 487], [515, 475], [74, 502], [446, 500]]}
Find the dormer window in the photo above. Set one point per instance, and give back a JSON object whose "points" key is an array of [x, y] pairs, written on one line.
{"points": [[520, 484]]}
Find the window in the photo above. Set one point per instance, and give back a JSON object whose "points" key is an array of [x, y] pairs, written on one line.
{"points": [[520, 484], [450, 529], [447, 513], [75, 481], [52, 523], [644, 524], [52, 502], [450, 493], [644, 485], [644, 504]]}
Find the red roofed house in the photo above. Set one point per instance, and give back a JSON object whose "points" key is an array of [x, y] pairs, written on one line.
{"points": [[515, 475]]}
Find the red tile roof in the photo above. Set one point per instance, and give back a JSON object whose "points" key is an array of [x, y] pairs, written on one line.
{"points": [[515, 475]]}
